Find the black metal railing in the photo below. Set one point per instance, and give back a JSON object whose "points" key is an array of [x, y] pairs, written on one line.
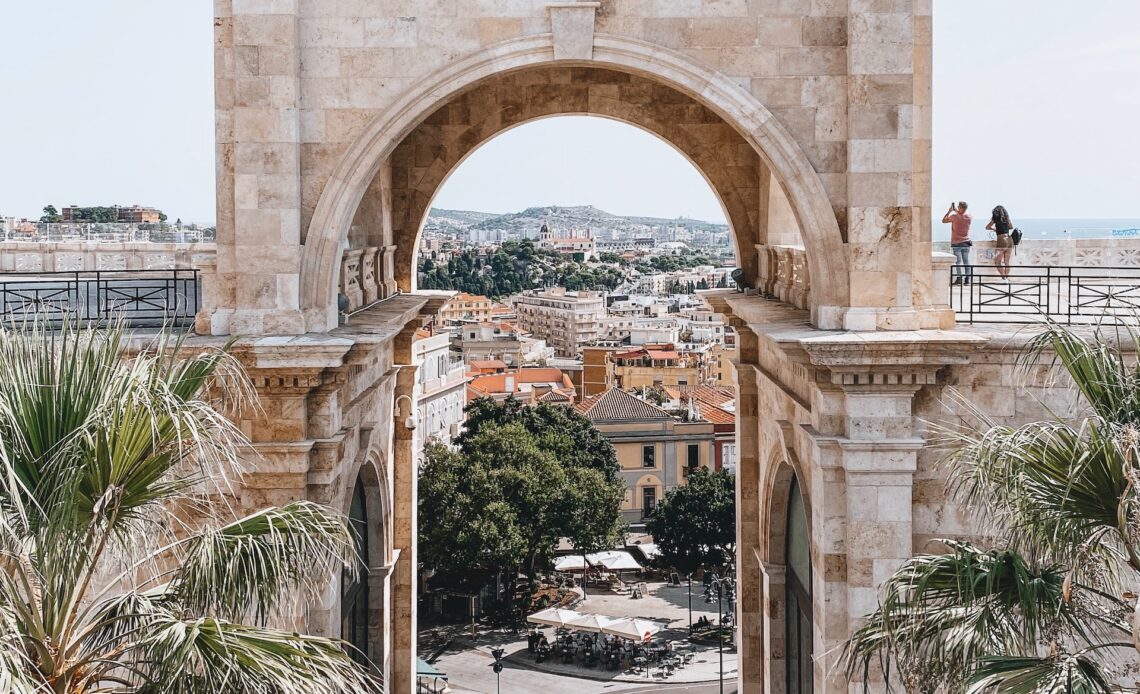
{"points": [[1070, 295], [142, 298]]}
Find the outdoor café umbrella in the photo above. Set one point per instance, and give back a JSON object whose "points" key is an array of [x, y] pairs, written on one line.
{"points": [[569, 563], [554, 616], [632, 628], [615, 560], [590, 622]]}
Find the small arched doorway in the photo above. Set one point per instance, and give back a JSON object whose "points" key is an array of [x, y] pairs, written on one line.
{"points": [[354, 585], [798, 596]]}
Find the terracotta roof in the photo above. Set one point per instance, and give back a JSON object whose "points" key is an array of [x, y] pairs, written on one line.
{"points": [[656, 354], [715, 395], [481, 364], [554, 396], [616, 404], [464, 296], [715, 415]]}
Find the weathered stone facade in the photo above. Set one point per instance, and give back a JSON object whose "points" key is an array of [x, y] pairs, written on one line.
{"points": [[338, 120]]}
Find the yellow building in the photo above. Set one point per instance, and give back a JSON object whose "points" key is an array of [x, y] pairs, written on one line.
{"points": [[656, 451], [464, 306]]}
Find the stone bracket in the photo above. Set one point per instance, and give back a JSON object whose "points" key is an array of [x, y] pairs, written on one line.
{"points": [[572, 24]]}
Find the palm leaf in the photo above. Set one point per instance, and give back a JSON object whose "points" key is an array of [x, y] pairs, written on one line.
{"points": [[248, 565]]}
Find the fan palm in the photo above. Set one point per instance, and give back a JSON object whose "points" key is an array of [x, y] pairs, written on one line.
{"points": [[1048, 606], [120, 570]]}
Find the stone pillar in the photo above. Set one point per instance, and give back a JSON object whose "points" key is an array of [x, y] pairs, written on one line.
{"points": [[879, 455], [402, 675], [257, 64], [750, 598]]}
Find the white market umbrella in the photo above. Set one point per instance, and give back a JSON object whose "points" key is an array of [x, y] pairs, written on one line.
{"points": [[649, 549], [553, 616], [590, 622], [615, 560], [569, 563], [632, 628]]}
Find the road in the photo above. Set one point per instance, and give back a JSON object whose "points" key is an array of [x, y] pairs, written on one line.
{"points": [[472, 674]]}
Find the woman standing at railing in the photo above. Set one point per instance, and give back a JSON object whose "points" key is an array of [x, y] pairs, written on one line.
{"points": [[960, 242], [1001, 224]]}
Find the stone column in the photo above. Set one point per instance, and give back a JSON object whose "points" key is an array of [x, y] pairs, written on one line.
{"points": [[750, 602], [879, 454], [402, 675], [257, 64]]}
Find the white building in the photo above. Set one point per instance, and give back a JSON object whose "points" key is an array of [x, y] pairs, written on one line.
{"points": [[440, 389], [566, 320]]}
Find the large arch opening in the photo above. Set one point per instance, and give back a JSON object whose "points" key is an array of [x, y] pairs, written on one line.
{"points": [[384, 183]]}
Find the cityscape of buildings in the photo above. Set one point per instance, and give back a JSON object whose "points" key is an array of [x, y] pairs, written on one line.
{"points": [[647, 362]]}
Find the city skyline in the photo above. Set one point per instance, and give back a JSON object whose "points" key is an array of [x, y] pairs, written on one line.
{"points": [[1052, 76]]}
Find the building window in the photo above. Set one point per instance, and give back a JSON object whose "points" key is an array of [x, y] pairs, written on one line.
{"points": [[649, 456], [354, 588], [648, 500], [694, 456]]}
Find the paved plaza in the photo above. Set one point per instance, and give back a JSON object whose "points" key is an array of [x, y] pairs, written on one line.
{"points": [[467, 663]]}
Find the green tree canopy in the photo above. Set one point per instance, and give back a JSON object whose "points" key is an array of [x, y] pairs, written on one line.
{"points": [[694, 526], [51, 215], [1049, 607], [522, 478]]}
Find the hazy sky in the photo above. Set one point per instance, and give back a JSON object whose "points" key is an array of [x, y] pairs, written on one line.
{"points": [[1037, 104]]}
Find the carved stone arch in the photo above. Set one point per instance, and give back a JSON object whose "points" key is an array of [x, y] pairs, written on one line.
{"points": [[370, 471], [785, 472], [366, 158]]}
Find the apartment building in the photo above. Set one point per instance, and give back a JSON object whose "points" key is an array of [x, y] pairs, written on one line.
{"points": [[469, 307], [655, 449], [566, 320], [440, 396]]}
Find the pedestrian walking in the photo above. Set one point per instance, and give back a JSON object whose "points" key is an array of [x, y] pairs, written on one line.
{"points": [[959, 221]]}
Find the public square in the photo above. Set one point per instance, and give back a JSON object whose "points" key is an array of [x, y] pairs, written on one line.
{"points": [[467, 664]]}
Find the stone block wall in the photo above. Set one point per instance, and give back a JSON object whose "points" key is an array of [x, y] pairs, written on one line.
{"points": [[303, 84], [20, 256]]}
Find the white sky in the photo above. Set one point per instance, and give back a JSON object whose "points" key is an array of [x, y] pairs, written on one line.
{"points": [[1037, 106]]}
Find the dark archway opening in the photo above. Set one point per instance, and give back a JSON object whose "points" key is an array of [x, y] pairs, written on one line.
{"points": [[798, 595], [354, 584]]}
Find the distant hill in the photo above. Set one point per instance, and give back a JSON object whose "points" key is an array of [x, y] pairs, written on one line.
{"points": [[580, 217]]}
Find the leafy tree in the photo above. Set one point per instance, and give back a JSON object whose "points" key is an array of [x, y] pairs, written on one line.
{"points": [[522, 478], [694, 526], [104, 586], [162, 216], [51, 215], [1048, 607]]}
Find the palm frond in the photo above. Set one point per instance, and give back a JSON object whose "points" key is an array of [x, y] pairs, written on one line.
{"points": [[939, 614], [1069, 674], [254, 563], [189, 656]]}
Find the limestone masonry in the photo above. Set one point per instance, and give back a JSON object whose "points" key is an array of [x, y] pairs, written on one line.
{"points": [[338, 120]]}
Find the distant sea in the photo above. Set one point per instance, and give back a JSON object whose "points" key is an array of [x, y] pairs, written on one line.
{"points": [[1051, 228]]}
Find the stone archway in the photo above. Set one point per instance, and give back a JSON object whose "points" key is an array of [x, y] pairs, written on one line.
{"points": [[369, 160]]}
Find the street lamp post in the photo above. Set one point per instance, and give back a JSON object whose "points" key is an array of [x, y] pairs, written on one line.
{"points": [[725, 589], [690, 604]]}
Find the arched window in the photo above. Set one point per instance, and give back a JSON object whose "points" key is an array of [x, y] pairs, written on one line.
{"points": [[797, 551], [354, 593]]}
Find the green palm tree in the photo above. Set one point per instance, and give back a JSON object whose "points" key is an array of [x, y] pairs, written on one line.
{"points": [[120, 569], [1049, 604]]}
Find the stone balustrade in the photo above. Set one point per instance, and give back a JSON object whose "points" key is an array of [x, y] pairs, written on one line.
{"points": [[783, 274], [365, 276], [73, 256]]}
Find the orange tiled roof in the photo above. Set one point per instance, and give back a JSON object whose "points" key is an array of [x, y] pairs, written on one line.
{"points": [[657, 354]]}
